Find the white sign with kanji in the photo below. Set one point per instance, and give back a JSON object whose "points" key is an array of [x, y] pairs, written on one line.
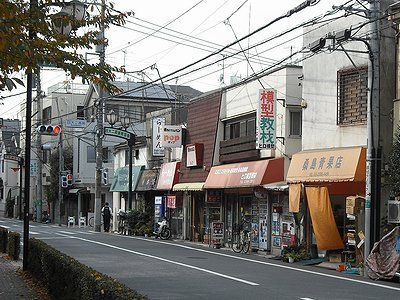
{"points": [[266, 119], [158, 149]]}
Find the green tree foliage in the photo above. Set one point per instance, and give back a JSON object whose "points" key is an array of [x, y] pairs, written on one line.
{"points": [[20, 50], [51, 190], [394, 165]]}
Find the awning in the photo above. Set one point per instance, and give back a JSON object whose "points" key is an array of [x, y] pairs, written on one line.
{"points": [[79, 190], [168, 176], [121, 178], [329, 165], [190, 186], [246, 174], [277, 186], [147, 181]]}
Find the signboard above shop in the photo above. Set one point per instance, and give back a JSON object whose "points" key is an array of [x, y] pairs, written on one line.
{"points": [[158, 149], [171, 136], [266, 120]]}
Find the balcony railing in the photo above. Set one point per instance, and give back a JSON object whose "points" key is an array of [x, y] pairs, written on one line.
{"points": [[238, 149]]}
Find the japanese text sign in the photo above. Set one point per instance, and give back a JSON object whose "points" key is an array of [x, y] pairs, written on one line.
{"points": [[341, 164], [266, 119], [171, 201], [158, 149]]}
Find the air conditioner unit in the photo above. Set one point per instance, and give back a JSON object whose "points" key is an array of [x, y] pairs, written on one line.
{"points": [[393, 211]]}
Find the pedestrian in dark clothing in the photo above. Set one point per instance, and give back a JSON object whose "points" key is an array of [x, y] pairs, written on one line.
{"points": [[107, 213]]}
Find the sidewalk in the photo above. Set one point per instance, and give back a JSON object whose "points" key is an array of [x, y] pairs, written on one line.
{"points": [[12, 284]]}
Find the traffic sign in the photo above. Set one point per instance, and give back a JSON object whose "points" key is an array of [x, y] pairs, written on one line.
{"points": [[117, 132], [12, 157], [76, 123]]}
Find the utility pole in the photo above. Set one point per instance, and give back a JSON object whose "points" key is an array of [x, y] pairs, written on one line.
{"points": [[39, 193], [28, 124], [372, 190], [99, 144], [57, 208]]}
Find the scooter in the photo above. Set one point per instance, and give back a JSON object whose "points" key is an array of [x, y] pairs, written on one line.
{"points": [[163, 231]]}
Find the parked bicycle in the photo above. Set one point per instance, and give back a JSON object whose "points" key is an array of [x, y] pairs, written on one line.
{"points": [[240, 239], [91, 221], [122, 218]]}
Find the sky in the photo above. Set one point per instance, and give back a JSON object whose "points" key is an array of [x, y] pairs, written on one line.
{"points": [[172, 34]]}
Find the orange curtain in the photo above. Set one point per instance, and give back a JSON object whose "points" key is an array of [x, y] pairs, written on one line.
{"points": [[294, 197], [324, 225]]}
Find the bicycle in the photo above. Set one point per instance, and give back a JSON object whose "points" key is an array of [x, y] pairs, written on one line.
{"points": [[240, 239], [91, 222]]}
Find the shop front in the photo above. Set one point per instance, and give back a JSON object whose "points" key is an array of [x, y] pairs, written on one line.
{"points": [[120, 185], [169, 204], [327, 188], [146, 191], [193, 196], [234, 198]]}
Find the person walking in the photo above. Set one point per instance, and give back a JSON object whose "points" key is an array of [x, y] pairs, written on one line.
{"points": [[107, 213]]}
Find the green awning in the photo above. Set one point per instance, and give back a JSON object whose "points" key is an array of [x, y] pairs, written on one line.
{"points": [[190, 186], [121, 178]]}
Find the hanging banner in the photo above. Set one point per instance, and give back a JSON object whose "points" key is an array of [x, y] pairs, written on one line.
{"points": [[266, 119], [158, 149], [171, 201], [172, 136]]}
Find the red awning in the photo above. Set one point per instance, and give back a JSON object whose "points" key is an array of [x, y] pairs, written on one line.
{"points": [[246, 174]]}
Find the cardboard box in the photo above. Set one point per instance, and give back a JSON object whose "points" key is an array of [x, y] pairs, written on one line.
{"points": [[350, 210], [335, 258], [351, 201]]}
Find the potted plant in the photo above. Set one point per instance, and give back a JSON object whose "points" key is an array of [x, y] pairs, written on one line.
{"points": [[292, 257]]}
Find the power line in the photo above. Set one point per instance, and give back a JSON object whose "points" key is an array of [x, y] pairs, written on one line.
{"points": [[168, 23]]}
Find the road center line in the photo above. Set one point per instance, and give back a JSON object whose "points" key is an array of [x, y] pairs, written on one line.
{"points": [[268, 263], [165, 260]]}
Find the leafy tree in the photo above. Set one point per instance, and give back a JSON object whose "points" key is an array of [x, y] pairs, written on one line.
{"points": [[51, 190], [394, 165], [21, 51]]}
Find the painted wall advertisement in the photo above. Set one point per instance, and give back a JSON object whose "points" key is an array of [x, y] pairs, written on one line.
{"points": [[171, 136], [266, 119], [158, 149]]}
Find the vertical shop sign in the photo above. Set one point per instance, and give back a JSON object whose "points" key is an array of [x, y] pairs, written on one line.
{"points": [[171, 201], [158, 149], [266, 119]]}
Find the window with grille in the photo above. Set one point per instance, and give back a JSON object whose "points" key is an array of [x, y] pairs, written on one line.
{"points": [[352, 96]]}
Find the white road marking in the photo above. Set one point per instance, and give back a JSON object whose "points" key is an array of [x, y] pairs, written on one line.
{"points": [[93, 231], [32, 226], [83, 232], [306, 299], [32, 232], [166, 260], [55, 238], [270, 264], [4, 226], [67, 232]]}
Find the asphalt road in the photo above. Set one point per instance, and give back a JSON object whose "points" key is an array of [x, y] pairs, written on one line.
{"points": [[178, 270]]}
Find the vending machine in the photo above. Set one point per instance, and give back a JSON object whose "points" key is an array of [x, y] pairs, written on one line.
{"points": [[159, 209]]}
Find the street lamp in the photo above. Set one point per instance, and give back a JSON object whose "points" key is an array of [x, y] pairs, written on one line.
{"points": [[125, 121], [28, 124], [112, 118], [71, 12]]}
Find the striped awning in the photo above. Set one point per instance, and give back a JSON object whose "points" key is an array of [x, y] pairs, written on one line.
{"points": [[190, 186]]}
